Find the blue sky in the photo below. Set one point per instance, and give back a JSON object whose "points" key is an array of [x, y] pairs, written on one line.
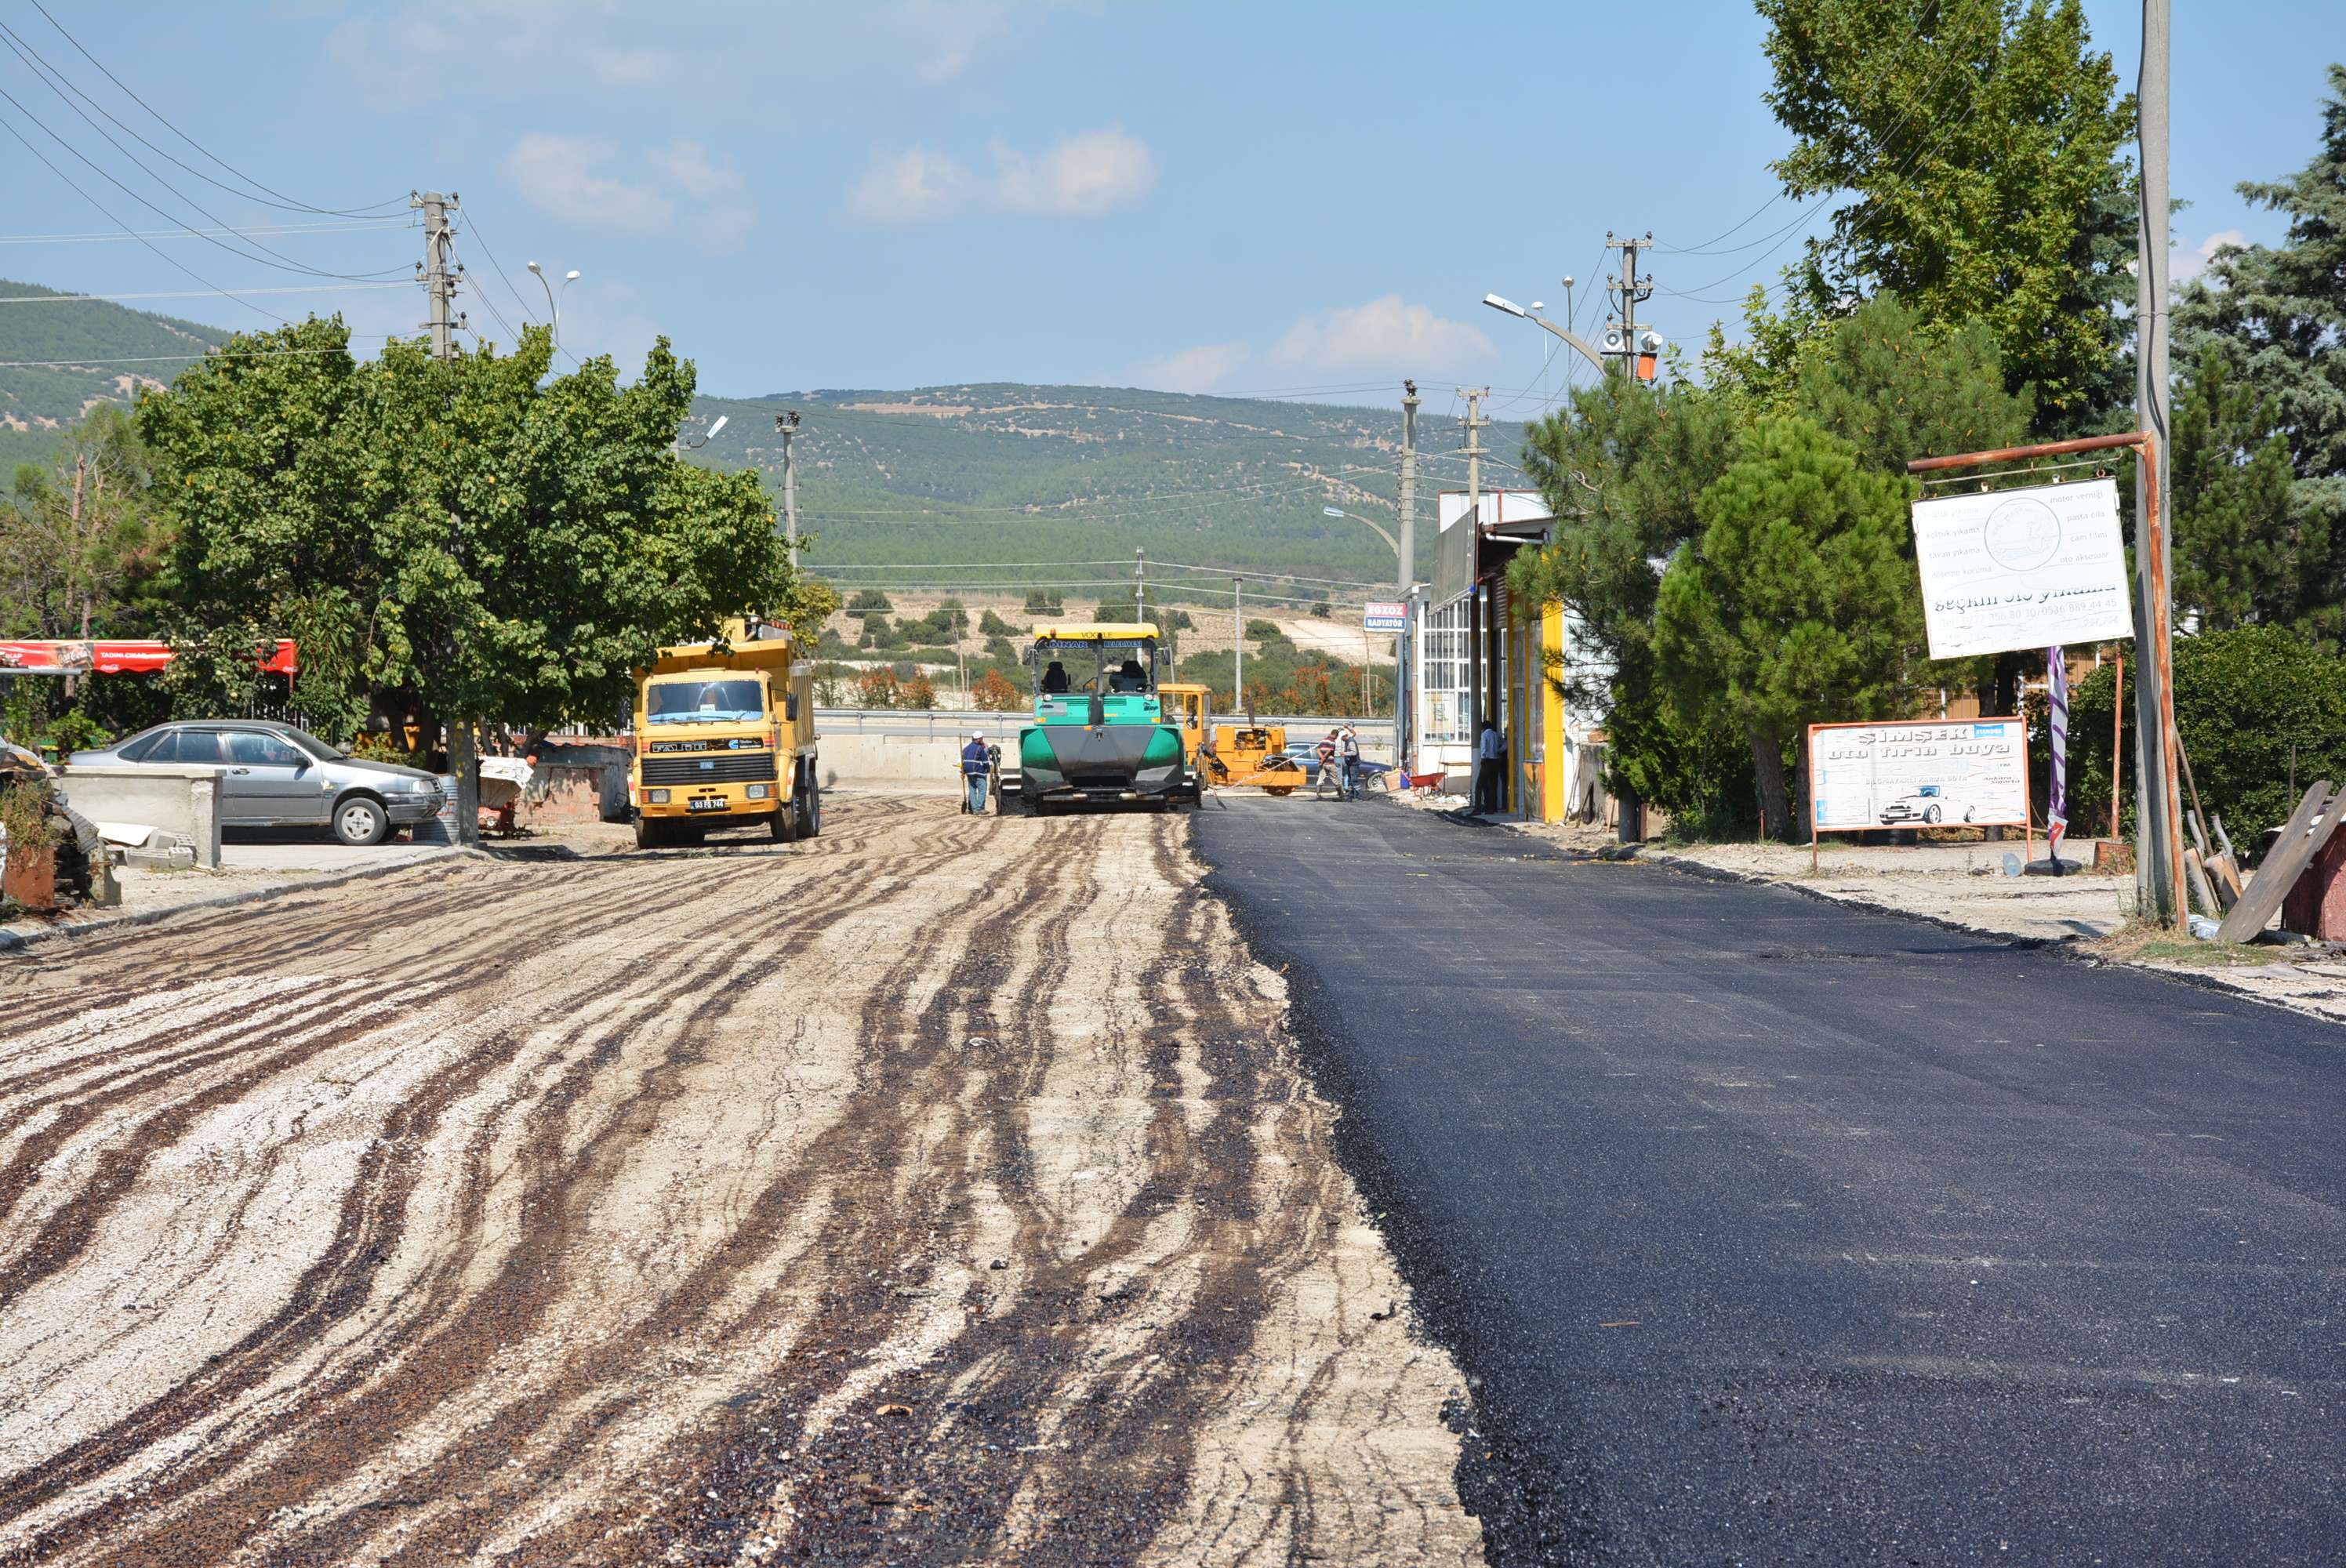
{"points": [[1202, 198]]}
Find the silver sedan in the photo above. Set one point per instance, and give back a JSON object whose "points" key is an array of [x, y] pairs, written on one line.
{"points": [[276, 776]]}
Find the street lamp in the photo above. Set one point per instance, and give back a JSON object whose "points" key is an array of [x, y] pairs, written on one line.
{"points": [[1340, 511], [553, 301], [705, 440]]}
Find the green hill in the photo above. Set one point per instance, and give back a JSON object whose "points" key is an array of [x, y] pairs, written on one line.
{"points": [[988, 483], [57, 359], [1012, 482]]}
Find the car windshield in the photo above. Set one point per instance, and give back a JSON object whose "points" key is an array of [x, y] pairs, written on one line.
{"points": [[703, 701]]}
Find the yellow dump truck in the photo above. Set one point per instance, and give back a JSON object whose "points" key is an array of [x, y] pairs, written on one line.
{"points": [[725, 738]]}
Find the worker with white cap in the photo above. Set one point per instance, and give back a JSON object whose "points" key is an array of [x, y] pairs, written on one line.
{"points": [[977, 769]]}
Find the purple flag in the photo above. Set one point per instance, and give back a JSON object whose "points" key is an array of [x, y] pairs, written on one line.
{"points": [[2057, 804]]}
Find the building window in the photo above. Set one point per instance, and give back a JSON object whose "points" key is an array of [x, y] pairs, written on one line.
{"points": [[1443, 637]]}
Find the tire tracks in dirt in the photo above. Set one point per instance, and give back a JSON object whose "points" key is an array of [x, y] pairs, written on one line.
{"points": [[943, 1189]]}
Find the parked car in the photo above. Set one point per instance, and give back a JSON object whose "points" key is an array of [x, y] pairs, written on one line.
{"points": [[276, 776], [1925, 805]]}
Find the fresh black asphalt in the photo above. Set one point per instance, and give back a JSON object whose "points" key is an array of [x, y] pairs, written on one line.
{"points": [[1771, 1231]]}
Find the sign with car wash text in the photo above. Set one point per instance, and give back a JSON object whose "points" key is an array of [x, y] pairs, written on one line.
{"points": [[2026, 568], [1922, 773]]}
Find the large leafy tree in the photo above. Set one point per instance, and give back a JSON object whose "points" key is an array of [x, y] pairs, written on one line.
{"points": [[79, 542], [1623, 467], [2261, 329], [471, 536], [1981, 146], [1796, 604]]}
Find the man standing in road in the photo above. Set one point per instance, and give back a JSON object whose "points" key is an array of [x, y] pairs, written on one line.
{"points": [[976, 770], [1348, 757], [1490, 752]]}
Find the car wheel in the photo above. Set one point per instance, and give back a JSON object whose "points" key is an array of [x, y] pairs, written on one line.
{"points": [[1930, 813], [362, 822]]}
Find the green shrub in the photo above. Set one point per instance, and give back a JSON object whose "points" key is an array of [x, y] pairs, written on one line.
{"points": [[25, 815], [993, 626], [1262, 631], [2247, 702], [868, 599]]}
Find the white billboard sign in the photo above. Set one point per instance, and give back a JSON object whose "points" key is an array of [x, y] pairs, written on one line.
{"points": [[1921, 773], [2024, 568], [1384, 616]]}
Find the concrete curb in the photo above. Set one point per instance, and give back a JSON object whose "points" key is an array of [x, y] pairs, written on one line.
{"points": [[18, 941]]}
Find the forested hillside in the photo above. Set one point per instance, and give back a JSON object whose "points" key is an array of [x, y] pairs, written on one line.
{"points": [[56, 360], [963, 480]]}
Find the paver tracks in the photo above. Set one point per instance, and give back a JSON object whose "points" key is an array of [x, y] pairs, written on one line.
{"points": [[941, 1190]]}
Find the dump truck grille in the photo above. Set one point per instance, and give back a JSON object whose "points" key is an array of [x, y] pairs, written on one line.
{"points": [[720, 769]]}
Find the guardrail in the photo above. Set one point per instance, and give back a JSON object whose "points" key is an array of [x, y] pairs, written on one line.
{"points": [[948, 724]]}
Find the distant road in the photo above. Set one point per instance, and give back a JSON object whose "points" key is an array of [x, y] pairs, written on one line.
{"points": [[1772, 1231]]}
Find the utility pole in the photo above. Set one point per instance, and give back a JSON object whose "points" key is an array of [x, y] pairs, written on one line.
{"points": [[1403, 698], [1237, 646], [434, 272], [437, 273], [1475, 601], [2159, 805], [1140, 586], [1408, 486], [785, 425], [1634, 291]]}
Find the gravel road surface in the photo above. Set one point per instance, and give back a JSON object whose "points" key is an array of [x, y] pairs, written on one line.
{"points": [[943, 1190], [1773, 1232]]}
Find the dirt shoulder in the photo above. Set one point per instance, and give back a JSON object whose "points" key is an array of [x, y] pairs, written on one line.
{"points": [[942, 1190]]}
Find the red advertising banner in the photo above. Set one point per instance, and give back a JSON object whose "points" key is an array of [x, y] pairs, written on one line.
{"points": [[118, 656]]}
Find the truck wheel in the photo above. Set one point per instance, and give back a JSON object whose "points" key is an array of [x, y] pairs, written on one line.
{"points": [[784, 823], [811, 825], [651, 833]]}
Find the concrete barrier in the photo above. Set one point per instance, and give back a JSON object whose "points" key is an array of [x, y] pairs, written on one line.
{"points": [[183, 802], [897, 762]]}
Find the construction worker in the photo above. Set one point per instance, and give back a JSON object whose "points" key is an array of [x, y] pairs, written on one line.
{"points": [[1324, 754], [1348, 757], [976, 774], [1490, 755]]}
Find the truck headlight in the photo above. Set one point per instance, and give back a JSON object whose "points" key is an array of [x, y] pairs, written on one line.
{"points": [[760, 791], [657, 796]]}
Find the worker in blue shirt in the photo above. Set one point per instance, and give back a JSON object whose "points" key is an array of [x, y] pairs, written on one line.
{"points": [[976, 766]]}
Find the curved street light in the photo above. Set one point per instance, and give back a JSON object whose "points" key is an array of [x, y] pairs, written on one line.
{"points": [[706, 439], [552, 301], [1340, 511]]}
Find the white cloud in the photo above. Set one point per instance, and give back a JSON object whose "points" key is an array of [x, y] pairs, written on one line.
{"points": [[724, 214], [557, 175], [569, 178], [912, 187], [2190, 263], [1078, 177], [1199, 370], [1383, 334], [1082, 175], [1384, 337]]}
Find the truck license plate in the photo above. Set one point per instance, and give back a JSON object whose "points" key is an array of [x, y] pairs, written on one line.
{"points": [[704, 805]]}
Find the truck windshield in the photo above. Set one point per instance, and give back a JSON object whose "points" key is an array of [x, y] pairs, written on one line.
{"points": [[734, 701]]}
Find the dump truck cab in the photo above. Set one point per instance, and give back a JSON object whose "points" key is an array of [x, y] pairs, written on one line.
{"points": [[1098, 735], [724, 736]]}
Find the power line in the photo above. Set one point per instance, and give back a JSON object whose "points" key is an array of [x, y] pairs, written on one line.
{"points": [[194, 293], [273, 229], [163, 359], [150, 245], [290, 204], [284, 262]]}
